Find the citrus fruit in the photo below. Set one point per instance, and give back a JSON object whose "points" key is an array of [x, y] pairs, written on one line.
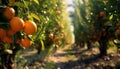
{"points": [[51, 35], [10, 32], [12, 1], [16, 24], [102, 14], [26, 42], [30, 27], [56, 39], [62, 35], [58, 42], [9, 13], [2, 33], [1, 42], [7, 39], [117, 32]]}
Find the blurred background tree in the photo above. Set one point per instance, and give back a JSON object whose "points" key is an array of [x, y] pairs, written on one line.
{"points": [[96, 20]]}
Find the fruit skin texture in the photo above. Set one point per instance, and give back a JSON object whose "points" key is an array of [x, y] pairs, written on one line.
{"points": [[9, 13], [10, 32], [51, 36], [7, 39], [16, 24], [26, 42], [2, 33], [30, 27]]}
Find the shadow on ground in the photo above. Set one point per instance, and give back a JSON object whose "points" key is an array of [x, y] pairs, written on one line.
{"points": [[88, 61]]}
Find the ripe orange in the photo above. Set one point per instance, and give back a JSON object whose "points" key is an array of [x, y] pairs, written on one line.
{"points": [[117, 32], [16, 24], [30, 27], [10, 32], [1, 42], [56, 39], [62, 35], [12, 1], [7, 39], [26, 42], [58, 42], [2, 33], [51, 35], [9, 13], [102, 14]]}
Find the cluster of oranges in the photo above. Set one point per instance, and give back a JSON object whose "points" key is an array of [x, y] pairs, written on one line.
{"points": [[17, 24], [56, 40]]}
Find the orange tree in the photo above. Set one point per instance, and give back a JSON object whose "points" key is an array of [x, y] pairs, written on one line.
{"points": [[51, 25], [25, 23], [81, 23], [105, 21], [101, 19]]}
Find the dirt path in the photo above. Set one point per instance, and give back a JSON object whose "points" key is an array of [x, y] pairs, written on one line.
{"points": [[81, 58], [74, 57], [63, 56]]}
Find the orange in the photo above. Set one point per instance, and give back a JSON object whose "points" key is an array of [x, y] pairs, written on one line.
{"points": [[62, 35], [16, 24], [7, 39], [30, 27], [102, 14], [12, 1], [117, 32], [1, 42], [10, 32], [56, 39], [2, 33], [9, 13], [51, 35], [58, 42], [26, 42]]}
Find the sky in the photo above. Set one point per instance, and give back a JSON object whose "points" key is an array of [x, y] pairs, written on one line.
{"points": [[70, 7], [69, 1]]}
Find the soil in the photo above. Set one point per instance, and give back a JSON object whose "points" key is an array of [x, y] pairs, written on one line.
{"points": [[75, 57]]}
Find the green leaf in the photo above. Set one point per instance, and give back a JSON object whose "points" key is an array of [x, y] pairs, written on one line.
{"points": [[111, 17], [42, 43], [36, 1], [35, 16], [20, 4]]}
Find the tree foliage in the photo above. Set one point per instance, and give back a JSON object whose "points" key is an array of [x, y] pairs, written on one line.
{"points": [[97, 20], [48, 15]]}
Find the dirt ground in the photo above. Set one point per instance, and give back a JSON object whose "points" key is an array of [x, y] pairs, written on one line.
{"points": [[74, 57]]}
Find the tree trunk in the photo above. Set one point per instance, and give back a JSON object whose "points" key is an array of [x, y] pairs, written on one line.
{"points": [[88, 45], [82, 44], [103, 43], [103, 47], [7, 61]]}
